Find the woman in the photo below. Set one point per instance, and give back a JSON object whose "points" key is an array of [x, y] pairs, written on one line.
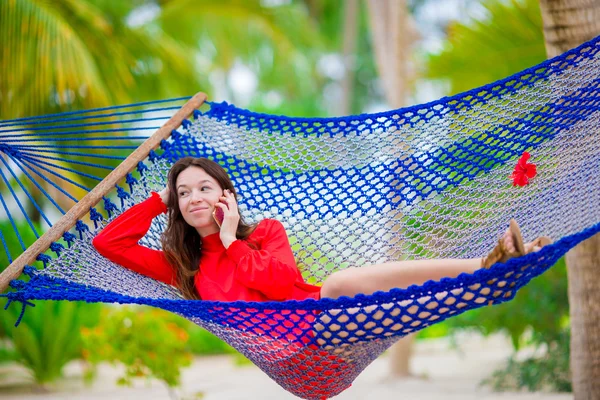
{"points": [[237, 261]]}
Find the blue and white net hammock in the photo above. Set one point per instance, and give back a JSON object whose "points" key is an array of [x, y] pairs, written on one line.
{"points": [[429, 181]]}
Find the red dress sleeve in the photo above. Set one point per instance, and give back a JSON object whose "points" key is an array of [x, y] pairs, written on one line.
{"points": [[118, 241], [272, 269]]}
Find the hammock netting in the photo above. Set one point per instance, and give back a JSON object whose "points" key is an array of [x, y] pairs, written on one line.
{"points": [[428, 181]]}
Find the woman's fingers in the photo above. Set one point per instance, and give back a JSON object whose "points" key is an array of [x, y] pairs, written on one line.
{"points": [[228, 203], [230, 199], [224, 203]]}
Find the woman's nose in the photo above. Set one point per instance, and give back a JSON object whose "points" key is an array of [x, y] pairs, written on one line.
{"points": [[196, 196]]}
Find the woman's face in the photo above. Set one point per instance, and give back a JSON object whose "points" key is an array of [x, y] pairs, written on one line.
{"points": [[197, 193]]}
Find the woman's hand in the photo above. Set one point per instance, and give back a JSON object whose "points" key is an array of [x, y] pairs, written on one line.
{"points": [[164, 195], [231, 218]]}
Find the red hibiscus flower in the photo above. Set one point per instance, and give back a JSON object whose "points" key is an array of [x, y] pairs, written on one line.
{"points": [[523, 171]]}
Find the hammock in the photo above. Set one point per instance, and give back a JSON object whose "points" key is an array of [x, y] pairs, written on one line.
{"points": [[429, 181]]}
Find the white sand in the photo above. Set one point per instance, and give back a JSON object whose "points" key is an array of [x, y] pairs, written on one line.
{"points": [[448, 373]]}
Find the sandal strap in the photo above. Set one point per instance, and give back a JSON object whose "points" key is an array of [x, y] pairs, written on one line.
{"points": [[515, 230], [500, 253], [542, 241], [496, 255]]}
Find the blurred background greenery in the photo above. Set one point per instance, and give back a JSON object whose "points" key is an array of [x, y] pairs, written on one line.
{"points": [[292, 57]]}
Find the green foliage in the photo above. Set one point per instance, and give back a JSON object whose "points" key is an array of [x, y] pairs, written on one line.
{"points": [[550, 372], [537, 316], [49, 336], [241, 361], [202, 342], [69, 54], [14, 250], [14, 246], [146, 341], [508, 39], [7, 353], [434, 331], [164, 49], [542, 306], [329, 18]]}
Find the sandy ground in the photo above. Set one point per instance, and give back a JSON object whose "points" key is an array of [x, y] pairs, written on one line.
{"points": [[446, 372]]}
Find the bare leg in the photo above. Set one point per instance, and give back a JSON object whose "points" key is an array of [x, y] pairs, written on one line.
{"points": [[401, 274]]}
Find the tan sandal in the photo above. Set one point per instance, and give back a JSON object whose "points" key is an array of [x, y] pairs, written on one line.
{"points": [[500, 253], [541, 242]]}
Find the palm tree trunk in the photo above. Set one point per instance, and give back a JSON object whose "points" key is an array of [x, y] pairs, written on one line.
{"points": [[392, 37], [567, 24], [351, 8]]}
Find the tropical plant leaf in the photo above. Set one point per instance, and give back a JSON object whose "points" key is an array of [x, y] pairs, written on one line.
{"points": [[506, 39]]}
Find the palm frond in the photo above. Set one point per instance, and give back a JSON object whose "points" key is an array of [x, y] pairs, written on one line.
{"points": [[506, 40]]}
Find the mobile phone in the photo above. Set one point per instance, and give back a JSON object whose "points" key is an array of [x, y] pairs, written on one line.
{"points": [[218, 215]]}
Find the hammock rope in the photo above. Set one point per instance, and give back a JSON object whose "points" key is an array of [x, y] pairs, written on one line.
{"points": [[428, 181]]}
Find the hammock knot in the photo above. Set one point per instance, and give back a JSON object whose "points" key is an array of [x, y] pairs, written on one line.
{"points": [[17, 284], [44, 258], [69, 238], [175, 134], [186, 123], [197, 114], [15, 296], [29, 270], [57, 248], [109, 206], [130, 180], [81, 227], [164, 144], [219, 107], [122, 194], [152, 156], [141, 167], [95, 216]]}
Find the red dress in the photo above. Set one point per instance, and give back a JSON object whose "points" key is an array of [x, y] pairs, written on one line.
{"points": [[236, 273]]}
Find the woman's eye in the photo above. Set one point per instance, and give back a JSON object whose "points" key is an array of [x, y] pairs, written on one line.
{"points": [[204, 187], [182, 193]]}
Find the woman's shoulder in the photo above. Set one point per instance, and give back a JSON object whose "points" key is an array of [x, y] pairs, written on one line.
{"points": [[267, 226], [267, 230]]}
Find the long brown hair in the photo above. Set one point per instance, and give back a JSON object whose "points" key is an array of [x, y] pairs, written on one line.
{"points": [[180, 241]]}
